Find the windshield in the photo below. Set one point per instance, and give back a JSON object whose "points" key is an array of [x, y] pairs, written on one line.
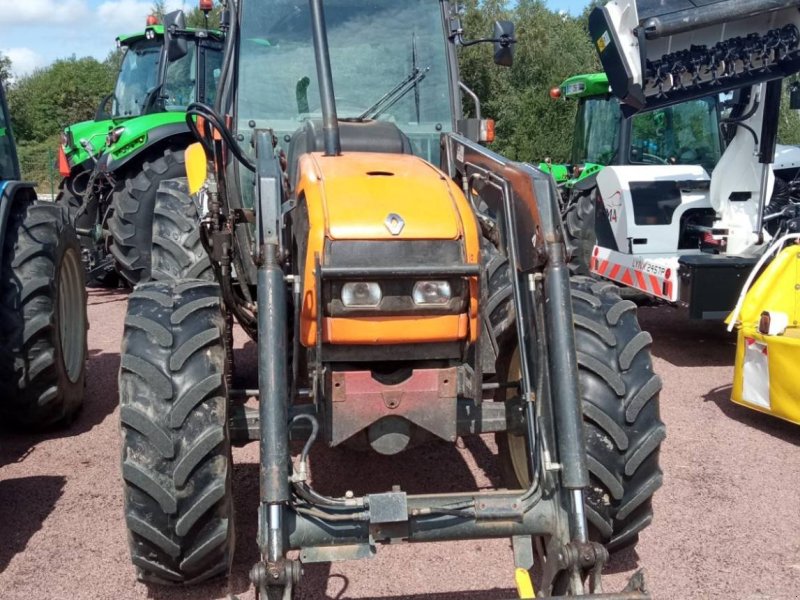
{"points": [[376, 46], [137, 76], [684, 134], [8, 163], [596, 132]]}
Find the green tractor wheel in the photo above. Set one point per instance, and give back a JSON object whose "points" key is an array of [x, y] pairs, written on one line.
{"points": [[133, 204], [579, 230], [177, 251]]}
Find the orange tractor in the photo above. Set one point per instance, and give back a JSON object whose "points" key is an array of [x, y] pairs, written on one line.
{"points": [[403, 284]]}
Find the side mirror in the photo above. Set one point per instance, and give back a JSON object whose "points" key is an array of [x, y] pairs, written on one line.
{"points": [[177, 45], [794, 96], [504, 41], [102, 109]]}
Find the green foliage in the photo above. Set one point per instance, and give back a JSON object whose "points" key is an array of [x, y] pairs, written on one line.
{"points": [[789, 125], [37, 162], [49, 99], [530, 126], [551, 46], [5, 70]]}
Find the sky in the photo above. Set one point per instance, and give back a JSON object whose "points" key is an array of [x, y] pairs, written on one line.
{"points": [[34, 33]]}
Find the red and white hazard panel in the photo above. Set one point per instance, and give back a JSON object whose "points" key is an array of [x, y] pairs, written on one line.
{"points": [[655, 277]]}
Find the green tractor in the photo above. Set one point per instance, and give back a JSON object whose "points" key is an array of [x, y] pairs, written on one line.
{"points": [[681, 134], [113, 165], [42, 302]]}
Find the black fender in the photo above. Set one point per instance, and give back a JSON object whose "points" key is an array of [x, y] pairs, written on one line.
{"points": [[586, 183], [11, 192], [602, 226], [158, 137]]}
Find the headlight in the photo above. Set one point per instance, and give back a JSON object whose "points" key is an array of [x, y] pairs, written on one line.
{"points": [[432, 292], [361, 293], [114, 135]]}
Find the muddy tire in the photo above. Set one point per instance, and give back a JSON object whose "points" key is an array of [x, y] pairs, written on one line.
{"points": [[178, 252], [131, 225], [42, 318], [176, 458], [498, 312], [622, 428], [579, 231]]}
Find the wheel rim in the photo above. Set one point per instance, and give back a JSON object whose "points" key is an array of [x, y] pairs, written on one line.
{"points": [[517, 444], [72, 320]]}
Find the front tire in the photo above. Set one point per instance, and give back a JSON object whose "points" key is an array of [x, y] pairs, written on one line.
{"points": [[42, 317], [176, 450], [131, 225], [622, 428]]}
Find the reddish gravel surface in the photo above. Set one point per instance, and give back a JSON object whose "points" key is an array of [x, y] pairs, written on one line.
{"points": [[727, 520]]}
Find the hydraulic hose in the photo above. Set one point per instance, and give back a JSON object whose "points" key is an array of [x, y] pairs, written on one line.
{"points": [[198, 109]]}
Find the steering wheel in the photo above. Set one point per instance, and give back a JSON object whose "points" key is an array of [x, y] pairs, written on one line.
{"points": [[653, 159]]}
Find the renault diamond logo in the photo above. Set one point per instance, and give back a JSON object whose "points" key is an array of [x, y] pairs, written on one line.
{"points": [[394, 223]]}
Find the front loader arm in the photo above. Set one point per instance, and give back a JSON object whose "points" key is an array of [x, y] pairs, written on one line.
{"points": [[526, 207]]}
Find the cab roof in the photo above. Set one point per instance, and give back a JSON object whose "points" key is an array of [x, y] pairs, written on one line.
{"points": [[157, 31]]}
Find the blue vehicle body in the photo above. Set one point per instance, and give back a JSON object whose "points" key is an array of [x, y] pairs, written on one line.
{"points": [[11, 188]]}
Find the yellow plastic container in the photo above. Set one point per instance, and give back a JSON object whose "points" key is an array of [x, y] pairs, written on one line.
{"points": [[767, 371]]}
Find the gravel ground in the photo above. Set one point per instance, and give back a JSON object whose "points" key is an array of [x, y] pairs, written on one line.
{"points": [[727, 521]]}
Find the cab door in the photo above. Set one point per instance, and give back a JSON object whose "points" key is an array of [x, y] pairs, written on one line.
{"points": [[9, 165]]}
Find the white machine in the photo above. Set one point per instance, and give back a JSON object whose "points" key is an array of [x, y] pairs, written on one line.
{"points": [[674, 231]]}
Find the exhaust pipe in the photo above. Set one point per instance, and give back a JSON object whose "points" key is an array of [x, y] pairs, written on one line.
{"points": [[330, 120]]}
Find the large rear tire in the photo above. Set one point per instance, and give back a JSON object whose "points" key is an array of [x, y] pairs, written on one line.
{"points": [[131, 225], [42, 317], [178, 252], [176, 459], [580, 236], [622, 428]]}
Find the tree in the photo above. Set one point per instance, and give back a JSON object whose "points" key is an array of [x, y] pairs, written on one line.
{"points": [[68, 91], [5, 70], [550, 47]]}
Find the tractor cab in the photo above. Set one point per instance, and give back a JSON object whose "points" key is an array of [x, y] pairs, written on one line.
{"points": [[411, 91], [165, 67], [681, 134]]}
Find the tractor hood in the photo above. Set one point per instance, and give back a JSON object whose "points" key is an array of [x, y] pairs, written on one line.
{"points": [[137, 132], [362, 192], [93, 131]]}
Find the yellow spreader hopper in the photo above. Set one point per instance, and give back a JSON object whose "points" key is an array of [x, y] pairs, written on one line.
{"points": [[767, 318]]}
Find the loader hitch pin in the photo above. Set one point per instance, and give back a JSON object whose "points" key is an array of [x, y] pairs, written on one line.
{"points": [[586, 559], [282, 573]]}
